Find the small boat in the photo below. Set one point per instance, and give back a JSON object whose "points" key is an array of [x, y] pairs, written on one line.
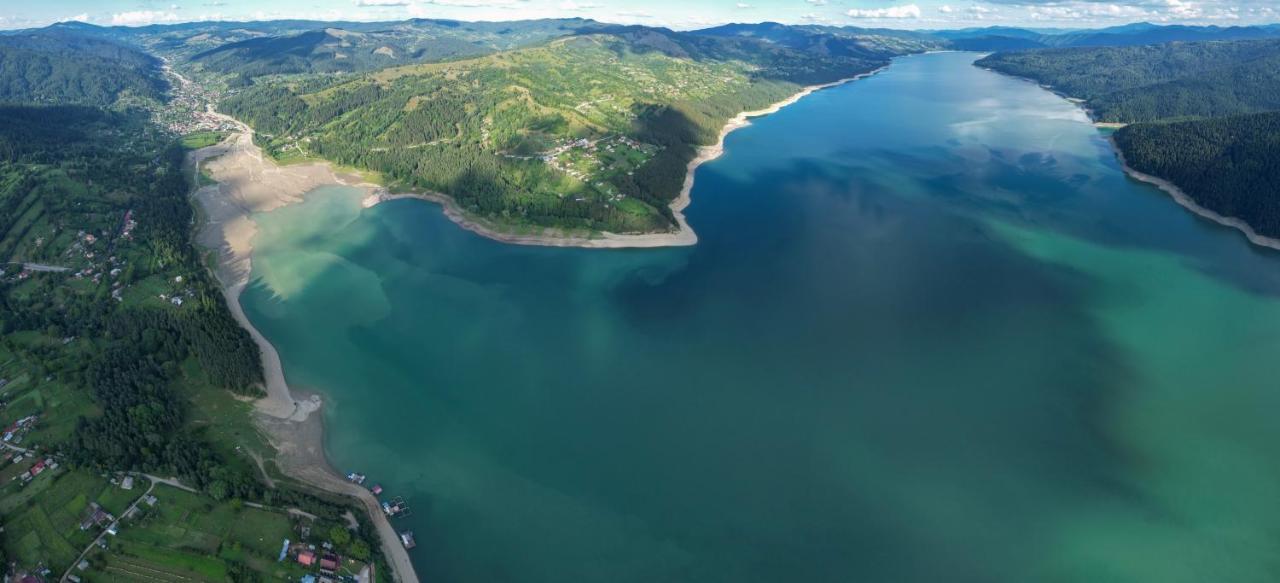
{"points": [[356, 478], [377, 489], [406, 538]]}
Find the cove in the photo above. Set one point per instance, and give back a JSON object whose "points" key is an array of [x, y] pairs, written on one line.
{"points": [[931, 332]]}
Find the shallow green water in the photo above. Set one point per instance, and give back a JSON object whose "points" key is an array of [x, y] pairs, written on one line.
{"points": [[930, 333]]}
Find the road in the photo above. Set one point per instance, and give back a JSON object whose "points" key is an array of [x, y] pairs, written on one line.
{"points": [[128, 510], [41, 267]]}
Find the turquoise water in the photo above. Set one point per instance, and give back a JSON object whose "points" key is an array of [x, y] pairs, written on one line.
{"points": [[930, 333]]}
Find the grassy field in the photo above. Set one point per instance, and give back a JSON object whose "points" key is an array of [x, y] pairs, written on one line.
{"points": [[42, 518], [197, 140], [187, 536]]}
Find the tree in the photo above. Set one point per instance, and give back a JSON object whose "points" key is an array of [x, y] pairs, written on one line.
{"points": [[340, 536], [218, 490]]}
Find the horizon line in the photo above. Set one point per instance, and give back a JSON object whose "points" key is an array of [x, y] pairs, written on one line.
{"points": [[652, 26]]}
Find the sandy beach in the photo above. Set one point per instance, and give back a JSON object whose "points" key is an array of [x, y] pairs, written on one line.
{"points": [[682, 236], [249, 183]]}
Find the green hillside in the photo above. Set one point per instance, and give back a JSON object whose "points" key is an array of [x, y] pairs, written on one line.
{"points": [[1193, 104], [1230, 165], [54, 68], [361, 47], [589, 132], [118, 354], [1149, 83]]}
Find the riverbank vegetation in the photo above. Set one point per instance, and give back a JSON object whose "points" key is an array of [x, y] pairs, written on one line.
{"points": [[1201, 115], [118, 355]]}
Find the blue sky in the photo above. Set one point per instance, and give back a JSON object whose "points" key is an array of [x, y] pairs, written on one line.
{"points": [[681, 14]]}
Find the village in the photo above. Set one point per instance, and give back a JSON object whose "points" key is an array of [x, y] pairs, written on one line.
{"points": [[190, 108], [596, 162]]}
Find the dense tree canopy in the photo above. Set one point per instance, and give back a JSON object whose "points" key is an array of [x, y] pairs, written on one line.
{"points": [[1230, 165]]}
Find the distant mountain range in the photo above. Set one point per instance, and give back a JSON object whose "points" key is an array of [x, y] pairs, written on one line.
{"points": [[390, 96], [251, 49]]}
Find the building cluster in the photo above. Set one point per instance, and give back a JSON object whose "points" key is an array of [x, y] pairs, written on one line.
{"points": [[189, 109], [324, 562], [16, 431]]}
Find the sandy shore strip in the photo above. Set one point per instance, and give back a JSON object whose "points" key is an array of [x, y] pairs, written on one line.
{"points": [[1188, 203], [247, 183], [682, 236]]}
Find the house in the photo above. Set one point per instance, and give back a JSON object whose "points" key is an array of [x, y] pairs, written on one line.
{"points": [[94, 515], [330, 562], [306, 558], [127, 483], [36, 468]]}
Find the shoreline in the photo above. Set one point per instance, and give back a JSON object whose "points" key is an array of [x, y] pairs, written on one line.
{"points": [[683, 236], [1190, 204], [1177, 194], [248, 183]]}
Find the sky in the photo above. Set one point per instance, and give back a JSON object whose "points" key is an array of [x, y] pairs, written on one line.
{"points": [[678, 14]]}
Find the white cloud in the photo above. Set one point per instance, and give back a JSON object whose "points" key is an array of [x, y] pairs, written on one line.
{"points": [[82, 17], [946, 9], [368, 3], [742, 5], [142, 17], [904, 11], [477, 3], [817, 2], [572, 6], [633, 14]]}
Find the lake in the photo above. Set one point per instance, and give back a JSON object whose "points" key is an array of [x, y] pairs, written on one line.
{"points": [[931, 332]]}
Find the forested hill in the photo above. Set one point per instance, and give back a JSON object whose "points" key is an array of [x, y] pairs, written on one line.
{"points": [[353, 47], [832, 40], [1001, 38], [1166, 81], [1230, 165], [589, 132], [118, 353], [54, 68], [1206, 114]]}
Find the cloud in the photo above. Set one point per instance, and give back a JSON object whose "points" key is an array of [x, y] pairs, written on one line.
{"points": [[817, 2], [572, 6], [477, 3], [904, 11], [742, 5], [946, 9], [82, 17], [632, 14], [369, 3], [142, 17]]}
